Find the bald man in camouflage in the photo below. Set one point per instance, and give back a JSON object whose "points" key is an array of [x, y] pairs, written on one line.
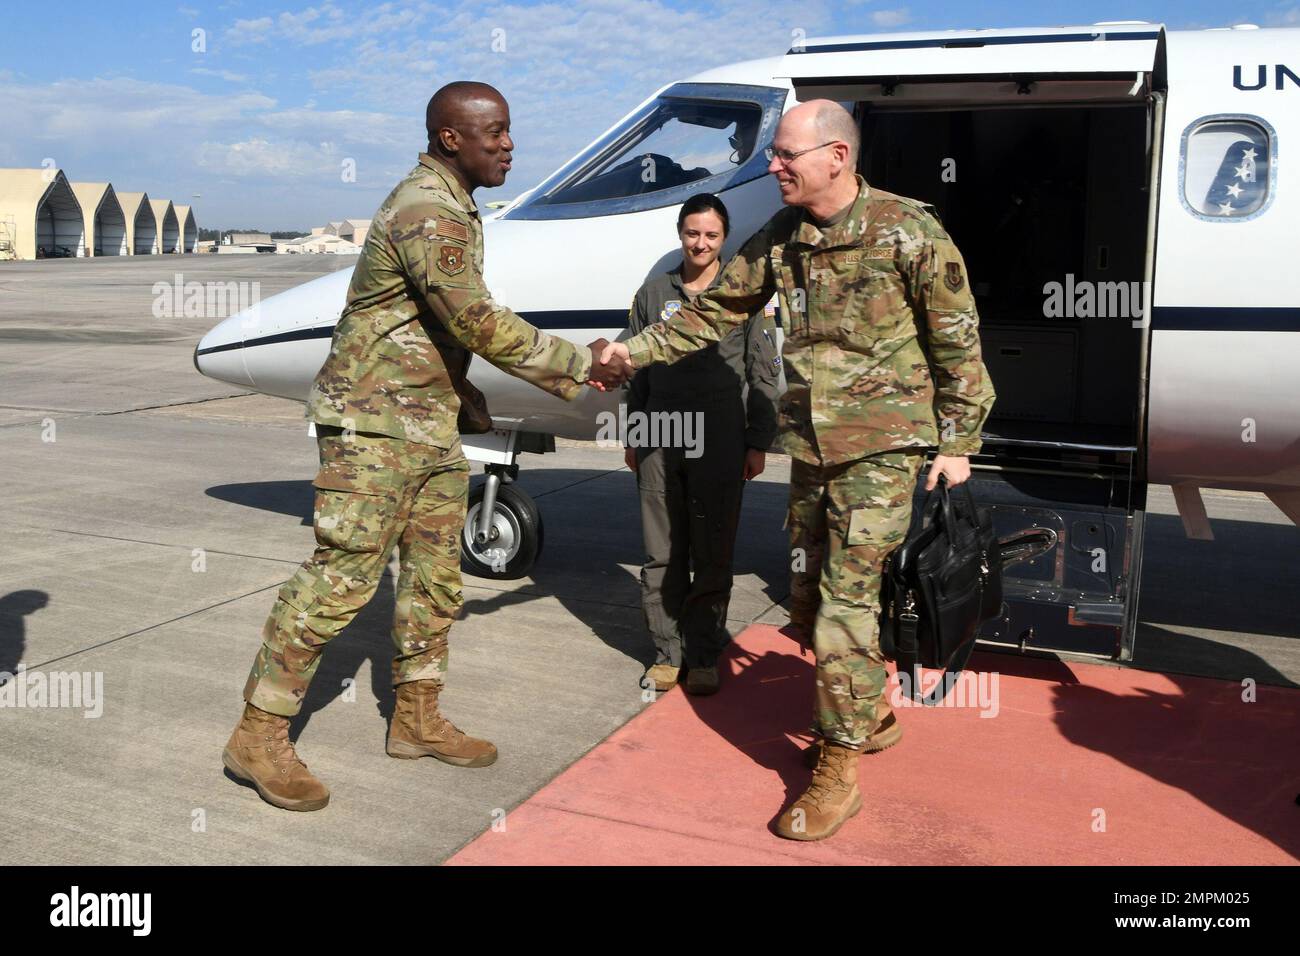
{"points": [[386, 404], [882, 361]]}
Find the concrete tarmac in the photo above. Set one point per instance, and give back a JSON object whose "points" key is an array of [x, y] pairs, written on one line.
{"points": [[154, 513]]}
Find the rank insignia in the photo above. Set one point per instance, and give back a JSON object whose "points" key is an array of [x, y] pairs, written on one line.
{"points": [[451, 260], [952, 276]]}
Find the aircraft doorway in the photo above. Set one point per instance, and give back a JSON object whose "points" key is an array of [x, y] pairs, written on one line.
{"points": [[1049, 206]]}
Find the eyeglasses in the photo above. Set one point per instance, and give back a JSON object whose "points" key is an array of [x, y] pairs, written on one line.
{"points": [[788, 157]]}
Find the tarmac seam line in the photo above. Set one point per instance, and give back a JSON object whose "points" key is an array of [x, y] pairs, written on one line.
{"points": [[181, 547], [78, 413], [580, 481], [195, 401], [179, 617]]}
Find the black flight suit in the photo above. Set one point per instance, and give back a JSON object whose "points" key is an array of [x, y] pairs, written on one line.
{"points": [[690, 506]]}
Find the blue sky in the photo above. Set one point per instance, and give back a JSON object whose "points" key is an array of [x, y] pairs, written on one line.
{"points": [[260, 120]]}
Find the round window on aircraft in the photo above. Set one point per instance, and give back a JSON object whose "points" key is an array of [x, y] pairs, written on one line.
{"points": [[1226, 167]]}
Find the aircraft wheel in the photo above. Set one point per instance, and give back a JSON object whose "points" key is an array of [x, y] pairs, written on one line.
{"points": [[516, 540]]}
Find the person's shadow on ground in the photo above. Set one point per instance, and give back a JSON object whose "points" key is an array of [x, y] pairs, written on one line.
{"points": [[14, 610]]}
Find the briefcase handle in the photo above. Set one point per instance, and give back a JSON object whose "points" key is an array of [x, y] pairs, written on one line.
{"points": [[950, 522]]}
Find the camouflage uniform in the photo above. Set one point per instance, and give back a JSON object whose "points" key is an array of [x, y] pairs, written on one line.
{"points": [[386, 404], [882, 360]]}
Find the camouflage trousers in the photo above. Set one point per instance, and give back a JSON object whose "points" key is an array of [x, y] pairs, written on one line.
{"points": [[844, 520], [372, 492]]}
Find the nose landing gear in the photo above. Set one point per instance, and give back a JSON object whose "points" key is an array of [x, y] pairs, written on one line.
{"points": [[503, 532]]}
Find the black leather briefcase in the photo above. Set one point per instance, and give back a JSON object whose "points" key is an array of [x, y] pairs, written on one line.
{"points": [[936, 589]]}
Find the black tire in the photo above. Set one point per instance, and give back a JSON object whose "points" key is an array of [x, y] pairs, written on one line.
{"points": [[520, 535]]}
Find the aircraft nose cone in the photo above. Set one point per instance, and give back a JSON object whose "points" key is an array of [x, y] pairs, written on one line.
{"points": [[219, 354]]}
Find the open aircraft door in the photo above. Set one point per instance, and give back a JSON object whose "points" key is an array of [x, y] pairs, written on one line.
{"points": [[1040, 150]]}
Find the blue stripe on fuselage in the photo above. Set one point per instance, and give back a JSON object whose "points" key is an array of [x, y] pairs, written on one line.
{"points": [[1197, 318], [547, 321]]}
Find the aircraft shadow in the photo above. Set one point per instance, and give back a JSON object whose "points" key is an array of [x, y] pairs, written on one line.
{"points": [[294, 498], [592, 536], [593, 547], [593, 554], [1234, 583], [1201, 739]]}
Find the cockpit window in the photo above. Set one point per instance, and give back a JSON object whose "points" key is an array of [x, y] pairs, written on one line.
{"points": [[1227, 169], [692, 138]]}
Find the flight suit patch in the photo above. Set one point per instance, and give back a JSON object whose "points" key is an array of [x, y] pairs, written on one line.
{"points": [[671, 307], [451, 260], [848, 258], [450, 229], [952, 276], [881, 252]]}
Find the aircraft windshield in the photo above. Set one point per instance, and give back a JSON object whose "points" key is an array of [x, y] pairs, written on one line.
{"points": [[692, 138]]}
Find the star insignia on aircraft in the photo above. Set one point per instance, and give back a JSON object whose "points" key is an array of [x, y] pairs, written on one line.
{"points": [[1248, 154], [1225, 208], [1241, 171], [1234, 191]]}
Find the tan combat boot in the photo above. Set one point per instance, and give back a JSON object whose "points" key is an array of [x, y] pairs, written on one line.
{"points": [[830, 799], [261, 753], [663, 676], [887, 733], [419, 730]]}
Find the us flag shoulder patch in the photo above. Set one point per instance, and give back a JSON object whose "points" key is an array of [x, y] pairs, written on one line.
{"points": [[450, 229]]}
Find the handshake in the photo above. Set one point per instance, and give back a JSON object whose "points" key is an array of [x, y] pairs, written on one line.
{"points": [[611, 365]]}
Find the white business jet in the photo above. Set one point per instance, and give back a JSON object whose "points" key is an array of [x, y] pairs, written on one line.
{"points": [[1128, 224]]}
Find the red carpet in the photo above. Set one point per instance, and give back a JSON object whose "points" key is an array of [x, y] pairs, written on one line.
{"points": [[1082, 764]]}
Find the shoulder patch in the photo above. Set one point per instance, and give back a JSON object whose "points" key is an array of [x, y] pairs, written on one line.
{"points": [[952, 276], [671, 307], [451, 260], [450, 229]]}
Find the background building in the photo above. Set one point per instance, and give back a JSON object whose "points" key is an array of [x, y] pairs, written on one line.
{"points": [[246, 242], [316, 244], [169, 232], [40, 214], [189, 229], [141, 226], [105, 223]]}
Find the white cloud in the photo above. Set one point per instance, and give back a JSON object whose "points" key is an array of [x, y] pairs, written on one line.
{"points": [[120, 108], [223, 74], [327, 23], [251, 31], [278, 160], [891, 18], [346, 126], [358, 86]]}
